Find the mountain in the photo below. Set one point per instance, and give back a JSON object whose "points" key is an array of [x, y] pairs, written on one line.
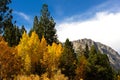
{"points": [[113, 56]]}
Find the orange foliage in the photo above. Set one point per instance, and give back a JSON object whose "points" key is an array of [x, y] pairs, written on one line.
{"points": [[80, 71], [24, 77], [9, 62]]}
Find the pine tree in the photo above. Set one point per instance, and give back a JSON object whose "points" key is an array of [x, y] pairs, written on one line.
{"points": [[5, 13], [9, 34], [10, 31], [17, 35], [86, 52], [68, 60], [99, 66], [23, 30], [46, 26], [36, 22], [12, 34], [36, 27]]}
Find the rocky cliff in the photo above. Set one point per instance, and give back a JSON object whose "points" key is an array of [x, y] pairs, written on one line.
{"points": [[113, 56]]}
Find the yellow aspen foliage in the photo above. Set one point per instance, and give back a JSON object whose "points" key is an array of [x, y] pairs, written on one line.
{"points": [[34, 45], [43, 47], [34, 42], [59, 76], [55, 50], [23, 46], [24, 50], [43, 44], [29, 46], [27, 64], [26, 77], [56, 76], [52, 56], [44, 76], [34, 48]]}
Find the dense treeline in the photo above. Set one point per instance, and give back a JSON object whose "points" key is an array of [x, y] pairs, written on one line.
{"points": [[37, 57], [40, 56]]}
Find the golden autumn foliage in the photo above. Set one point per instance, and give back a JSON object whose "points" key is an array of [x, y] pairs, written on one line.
{"points": [[23, 50], [42, 48], [23, 46], [35, 52], [34, 45], [51, 57], [57, 76], [9, 63], [29, 50], [81, 66], [25, 77], [27, 65]]}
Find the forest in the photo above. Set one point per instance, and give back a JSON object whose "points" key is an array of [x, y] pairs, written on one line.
{"points": [[39, 55]]}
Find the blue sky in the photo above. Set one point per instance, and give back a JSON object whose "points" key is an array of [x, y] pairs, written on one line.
{"points": [[98, 20], [25, 10]]}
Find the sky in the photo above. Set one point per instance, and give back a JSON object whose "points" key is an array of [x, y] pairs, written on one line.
{"points": [[98, 20]]}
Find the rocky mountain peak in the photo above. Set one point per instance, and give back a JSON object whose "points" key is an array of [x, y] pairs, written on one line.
{"points": [[113, 55]]}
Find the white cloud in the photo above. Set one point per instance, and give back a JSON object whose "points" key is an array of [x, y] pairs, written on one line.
{"points": [[104, 27], [23, 15]]}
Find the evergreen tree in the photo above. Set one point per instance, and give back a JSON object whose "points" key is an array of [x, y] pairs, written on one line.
{"points": [[17, 35], [86, 52], [36, 22], [46, 26], [23, 30], [68, 60], [12, 33], [9, 32], [35, 27], [5, 13], [99, 66]]}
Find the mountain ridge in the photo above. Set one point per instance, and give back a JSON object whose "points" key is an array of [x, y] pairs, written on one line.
{"points": [[113, 55]]}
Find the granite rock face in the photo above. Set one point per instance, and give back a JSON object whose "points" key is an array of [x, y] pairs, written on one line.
{"points": [[113, 56]]}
